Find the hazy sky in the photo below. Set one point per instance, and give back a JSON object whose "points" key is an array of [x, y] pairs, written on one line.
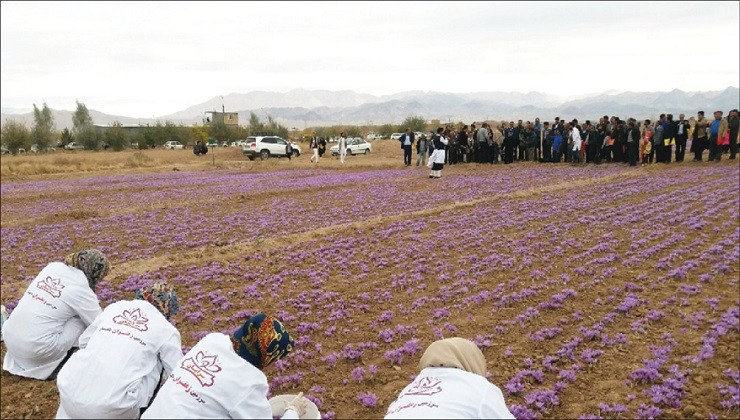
{"points": [[151, 59]]}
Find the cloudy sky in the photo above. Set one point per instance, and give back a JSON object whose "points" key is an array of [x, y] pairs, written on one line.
{"points": [[151, 59]]}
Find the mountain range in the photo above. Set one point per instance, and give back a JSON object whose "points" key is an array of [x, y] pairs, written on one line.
{"points": [[300, 108]]}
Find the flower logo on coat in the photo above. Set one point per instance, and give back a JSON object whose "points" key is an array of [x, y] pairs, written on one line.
{"points": [[51, 286], [203, 367], [425, 386], [132, 318]]}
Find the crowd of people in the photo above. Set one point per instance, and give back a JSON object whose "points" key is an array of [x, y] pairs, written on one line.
{"points": [[126, 361], [611, 139]]}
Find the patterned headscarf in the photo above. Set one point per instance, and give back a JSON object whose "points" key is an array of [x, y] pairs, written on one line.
{"points": [[262, 340], [162, 296], [455, 352], [91, 262]]}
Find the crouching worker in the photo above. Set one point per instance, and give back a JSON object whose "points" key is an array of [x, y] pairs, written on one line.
{"points": [[42, 332], [451, 384], [123, 357], [221, 377]]}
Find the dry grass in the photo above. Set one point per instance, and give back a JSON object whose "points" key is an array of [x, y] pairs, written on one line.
{"points": [[64, 163]]}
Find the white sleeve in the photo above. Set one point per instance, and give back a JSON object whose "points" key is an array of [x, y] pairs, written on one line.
{"points": [[493, 405], [86, 304], [253, 405], [171, 353], [89, 331]]}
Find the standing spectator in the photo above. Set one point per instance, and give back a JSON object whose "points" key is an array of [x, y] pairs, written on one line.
{"points": [[646, 145], [538, 134], [700, 142], [657, 142], [481, 141], [669, 138], [451, 384], [315, 149], [510, 137], [124, 355], [407, 140], [60, 303], [222, 376], [342, 145], [322, 147], [472, 153], [523, 140], [716, 132], [557, 146], [437, 160], [421, 150], [733, 123], [497, 139], [531, 144], [633, 142], [463, 144], [682, 136], [576, 140], [546, 142]]}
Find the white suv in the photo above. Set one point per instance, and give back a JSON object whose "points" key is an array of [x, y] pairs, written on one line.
{"points": [[266, 146], [173, 144]]}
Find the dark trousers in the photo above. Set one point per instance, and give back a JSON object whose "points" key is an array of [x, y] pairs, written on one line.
{"points": [[668, 151], [632, 150], [522, 154], [592, 152], [733, 145], [715, 150], [680, 148], [494, 153], [699, 145], [508, 153], [407, 155], [482, 153]]}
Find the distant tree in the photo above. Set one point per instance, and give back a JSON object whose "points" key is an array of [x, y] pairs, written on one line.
{"points": [[42, 133], [89, 137], [255, 126], [415, 123], [15, 135], [199, 133], [116, 137], [219, 131], [387, 129], [352, 131], [81, 119], [66, 137]]}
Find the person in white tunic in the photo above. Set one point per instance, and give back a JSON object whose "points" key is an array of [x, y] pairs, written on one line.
{"points": [[342, 144], [437, 159], [124, 355], [451, 385], [221, 376], [43, 329]]}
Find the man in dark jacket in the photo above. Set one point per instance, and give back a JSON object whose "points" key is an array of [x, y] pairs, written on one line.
{"points": [[632, 142], [407, 141], [682, 136], [733, 124], [669, 137]]}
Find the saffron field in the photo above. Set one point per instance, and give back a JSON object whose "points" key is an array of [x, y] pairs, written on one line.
{"points": [[593, 291]]}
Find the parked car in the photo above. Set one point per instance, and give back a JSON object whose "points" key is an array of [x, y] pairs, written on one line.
{"points": [[35, 148], [396, 136], [355, 146], [373, 136], [74, 146], [267, 146], [173, 144], [4, 149]]}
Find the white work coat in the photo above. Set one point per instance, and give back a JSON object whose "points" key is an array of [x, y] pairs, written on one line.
{"points": [[449, 393], [213, 382], [51, 315], [122, 356]]}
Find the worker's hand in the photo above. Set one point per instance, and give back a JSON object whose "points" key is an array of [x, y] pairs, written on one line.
{"points": [[299, 404]]}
